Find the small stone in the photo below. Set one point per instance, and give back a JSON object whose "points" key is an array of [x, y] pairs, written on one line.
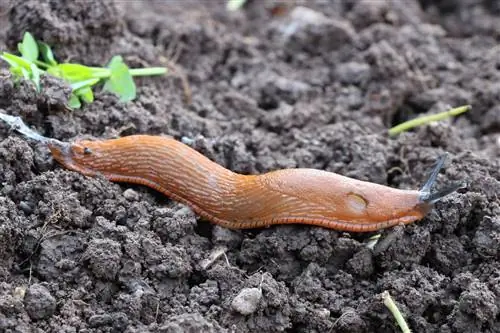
{"points": [[131, 195], [39, 303], [353, 73], [311, 30], [247, 301], [26, 207], [306, 15]]}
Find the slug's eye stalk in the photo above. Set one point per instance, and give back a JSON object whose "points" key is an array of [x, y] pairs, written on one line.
{"points": [[426, 194]]}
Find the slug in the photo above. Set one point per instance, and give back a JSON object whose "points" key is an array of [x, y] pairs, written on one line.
{"points": [[236, 201]]}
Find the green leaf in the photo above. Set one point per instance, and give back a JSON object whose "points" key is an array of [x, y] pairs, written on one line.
{"points": [[85, 94], [28, 47], [47, 54], [120, 82], [17, 71], [74, 102], [71, 72], [35, 76], [13, 59], [13, 64]]}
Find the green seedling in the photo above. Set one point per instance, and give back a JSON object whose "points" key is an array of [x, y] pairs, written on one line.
{"points": [[407, 125], [37, 58], [372, 241], [389, 303]]}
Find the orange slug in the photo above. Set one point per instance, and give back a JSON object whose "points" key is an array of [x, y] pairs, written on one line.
{"points": [[290, 196]]}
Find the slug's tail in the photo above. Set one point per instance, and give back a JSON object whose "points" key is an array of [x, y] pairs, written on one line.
{"points": [[17, 124], [426, 193]]}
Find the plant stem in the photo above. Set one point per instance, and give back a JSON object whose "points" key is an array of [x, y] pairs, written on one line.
{"points": [[148, 71], [389, 303], [427, 119], [41, 64], [101, 75]]}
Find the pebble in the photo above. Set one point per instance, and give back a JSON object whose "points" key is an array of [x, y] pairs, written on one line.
{"points": [[247, 301], [131, 195]]}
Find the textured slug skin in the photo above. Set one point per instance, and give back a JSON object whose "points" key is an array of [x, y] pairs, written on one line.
{"points": [[235, 201]]}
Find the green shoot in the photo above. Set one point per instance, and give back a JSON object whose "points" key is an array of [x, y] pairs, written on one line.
{"points": [[233, 5], [38, 59], [47, 55], [389, 303], [407, 125], [28, 48], [372, 241]]}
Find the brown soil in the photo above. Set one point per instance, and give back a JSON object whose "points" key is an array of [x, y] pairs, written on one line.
{"points": [[269, 90]]}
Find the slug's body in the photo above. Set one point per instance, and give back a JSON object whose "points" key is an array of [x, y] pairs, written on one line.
{"points": [[237, 201]]}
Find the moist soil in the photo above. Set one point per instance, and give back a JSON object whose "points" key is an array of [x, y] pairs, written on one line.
{"points": [[271, 86]]}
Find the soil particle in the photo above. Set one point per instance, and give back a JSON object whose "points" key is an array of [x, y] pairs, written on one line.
{"points": [[58, 255], [189, 323], [487, 237], [115, 321], [361, 263], [86, 29], [103, 257], [354, 73], [311, 31], [479, 302], [39, 302]]}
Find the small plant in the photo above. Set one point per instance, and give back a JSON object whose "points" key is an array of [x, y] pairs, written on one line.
{"points": [[37, 59], [407, 125], [391, 305]]}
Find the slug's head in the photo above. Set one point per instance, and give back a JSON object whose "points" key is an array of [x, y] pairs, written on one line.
{"points": [[84, 156], [419, 205], [384, 207]]}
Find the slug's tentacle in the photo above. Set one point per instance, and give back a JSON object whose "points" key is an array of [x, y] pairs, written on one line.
{"points": [[426, 189], [426, 193], [435, 196]]}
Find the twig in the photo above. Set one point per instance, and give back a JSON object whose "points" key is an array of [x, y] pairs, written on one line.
{"points": [[214, 255]]}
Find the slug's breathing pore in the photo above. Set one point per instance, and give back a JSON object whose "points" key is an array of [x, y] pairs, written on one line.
{"points": [[290, 196]]}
